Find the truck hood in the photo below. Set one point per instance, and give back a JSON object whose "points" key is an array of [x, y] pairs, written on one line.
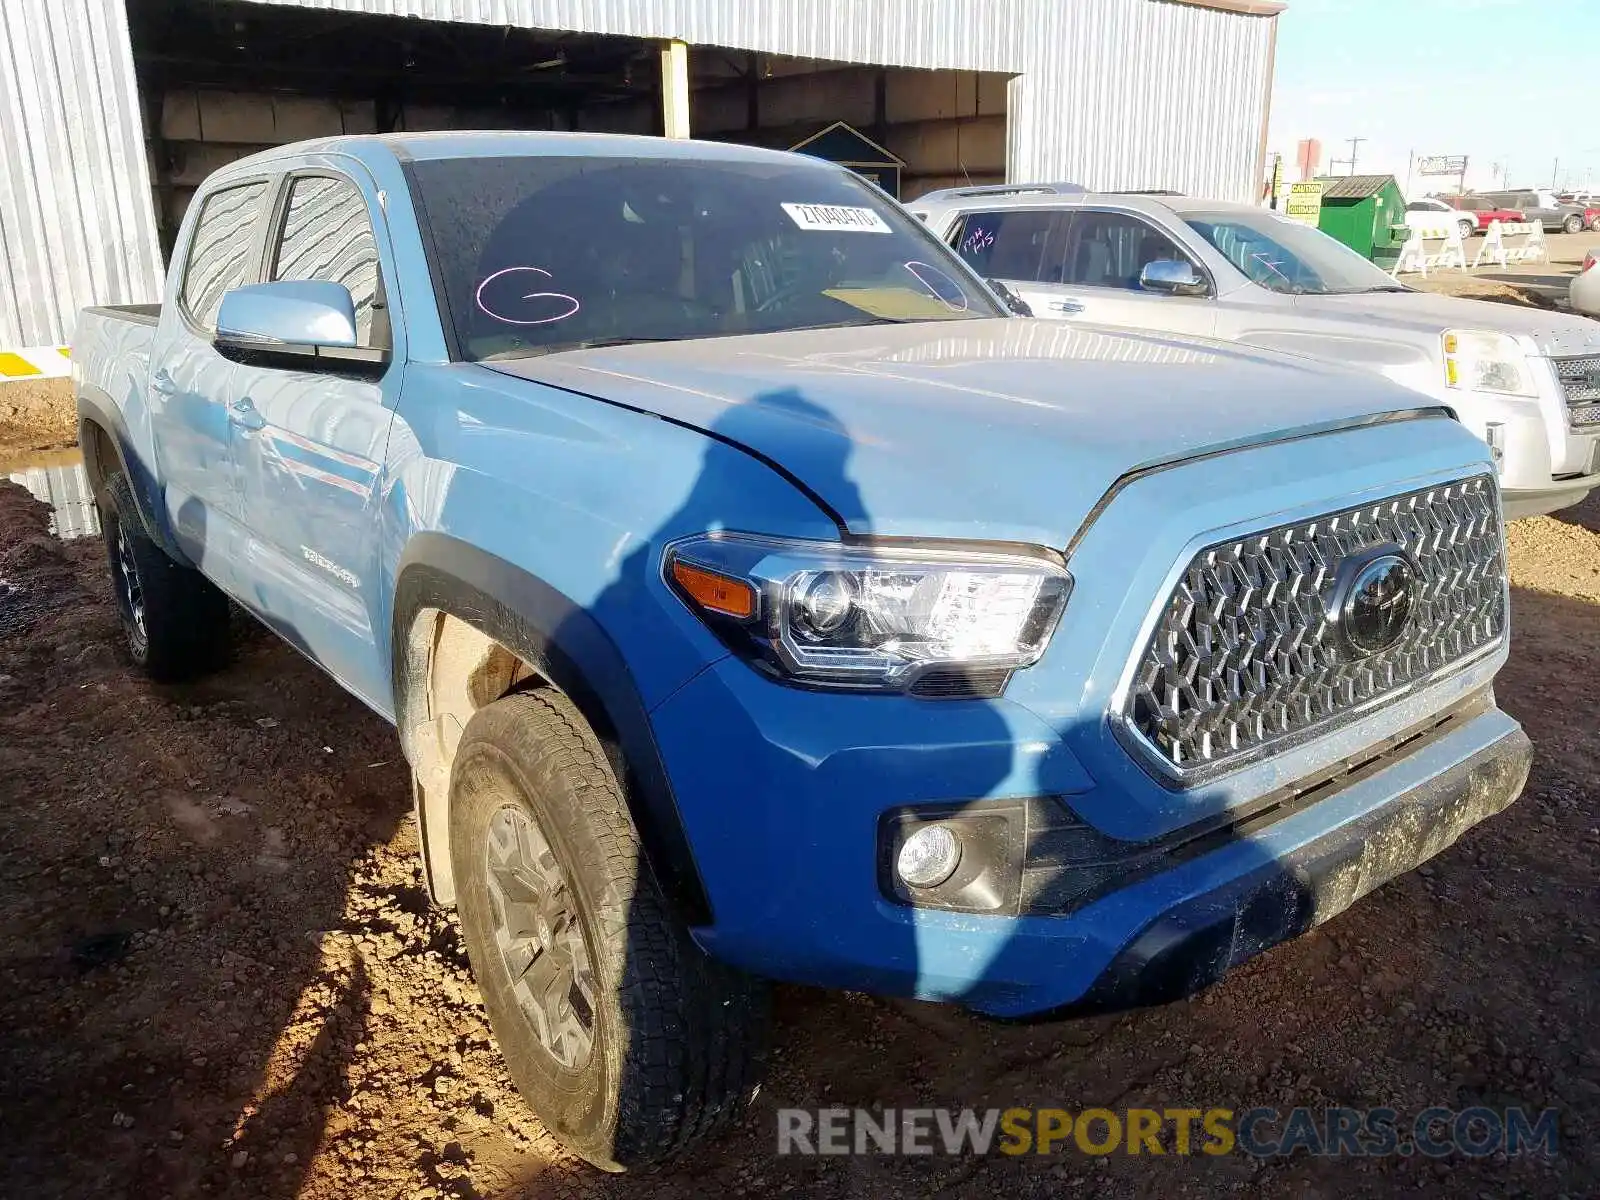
{"points": [[998, 429], [1557, 335]]}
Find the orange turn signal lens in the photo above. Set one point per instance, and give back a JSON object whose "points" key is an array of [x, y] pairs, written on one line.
{"points": [[715, 592]]}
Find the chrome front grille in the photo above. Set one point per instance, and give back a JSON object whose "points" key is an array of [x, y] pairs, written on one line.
{"points": [[1245, 655], [1580, 380]]}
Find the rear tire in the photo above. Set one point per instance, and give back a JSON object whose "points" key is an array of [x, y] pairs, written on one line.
{"points": [[174, 620], [626, 1041], [1573, 224]]}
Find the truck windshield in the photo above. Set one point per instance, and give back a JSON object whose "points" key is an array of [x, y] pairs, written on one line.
{"points": [[1286, 256], [538, 254]]}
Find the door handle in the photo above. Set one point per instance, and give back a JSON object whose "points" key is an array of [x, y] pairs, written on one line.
{"points": [[244, 413], [1065, 307], [163, 382]]}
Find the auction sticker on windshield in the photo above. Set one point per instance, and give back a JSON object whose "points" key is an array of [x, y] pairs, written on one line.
{"points": [[836, 216]]}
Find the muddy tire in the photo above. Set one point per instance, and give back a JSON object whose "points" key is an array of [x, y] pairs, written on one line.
{"points": [[1573, 224], [174, 619], [626, 1041]]}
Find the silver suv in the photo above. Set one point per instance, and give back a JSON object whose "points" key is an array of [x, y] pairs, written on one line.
{"points": [[1526, 381]]}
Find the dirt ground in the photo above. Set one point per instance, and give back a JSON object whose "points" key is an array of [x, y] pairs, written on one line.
{"points": [[35, 415], [219, 973]]}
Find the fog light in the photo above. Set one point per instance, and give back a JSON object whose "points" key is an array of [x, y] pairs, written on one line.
{"points": [[928, 857]]}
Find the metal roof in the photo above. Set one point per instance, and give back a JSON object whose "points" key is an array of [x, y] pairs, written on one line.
{"points": [[1354, 187]]}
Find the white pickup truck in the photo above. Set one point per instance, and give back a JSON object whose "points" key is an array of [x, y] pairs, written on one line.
{"points": [[1526, 381]]}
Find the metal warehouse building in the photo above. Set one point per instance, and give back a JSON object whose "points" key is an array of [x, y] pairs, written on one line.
{"points": [[112, 111]]}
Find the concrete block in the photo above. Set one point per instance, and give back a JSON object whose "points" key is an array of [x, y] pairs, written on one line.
{"points": [[838, 96], [992, 87], [717, 110], [180, 115], [976, 146], [193, 161], [296, 118], [359, 116], [417, 118], [921, 95], [236, 117]]}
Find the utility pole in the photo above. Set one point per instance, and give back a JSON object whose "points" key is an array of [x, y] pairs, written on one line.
{"points": [[1355, 144], [1554, 171]]}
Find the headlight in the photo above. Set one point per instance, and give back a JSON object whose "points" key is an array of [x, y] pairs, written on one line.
{"points": [[1487, 362], [883, 618]]}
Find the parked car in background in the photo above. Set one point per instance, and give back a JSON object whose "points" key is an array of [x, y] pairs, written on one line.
{"points": [[1244, 274], [1544, 207], [1584, 293], [1431, 216], [1483, 210], [756, 599]]}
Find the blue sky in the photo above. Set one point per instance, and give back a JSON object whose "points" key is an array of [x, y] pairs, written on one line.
{"points": [[1506, 82]]}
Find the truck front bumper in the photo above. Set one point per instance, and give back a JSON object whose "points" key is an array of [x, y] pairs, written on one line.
{"points": [[1548, 498], [1194, 943], [789, 838]]}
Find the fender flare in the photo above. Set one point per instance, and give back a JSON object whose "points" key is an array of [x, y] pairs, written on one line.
{"points": [[97, 413], [566, 645]]}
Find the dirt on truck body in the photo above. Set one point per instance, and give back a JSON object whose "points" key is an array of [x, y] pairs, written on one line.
{"points": [[222, 975]]}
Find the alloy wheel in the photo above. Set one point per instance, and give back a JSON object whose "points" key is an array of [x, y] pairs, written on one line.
{"points": [[129, 589], [540, 937]]}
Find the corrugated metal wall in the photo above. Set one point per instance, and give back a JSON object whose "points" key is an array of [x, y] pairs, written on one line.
{"points": [[974, 35], [1109, 93], [76, 222], [1142, 94]]}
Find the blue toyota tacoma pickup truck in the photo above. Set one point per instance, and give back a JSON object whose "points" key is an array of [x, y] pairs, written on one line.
{"points": [[755, 598]]}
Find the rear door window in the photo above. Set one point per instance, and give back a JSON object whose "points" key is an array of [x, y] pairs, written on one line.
{"points": [[219, 253], [1110, 249], [327, 235], [1015, 244]]}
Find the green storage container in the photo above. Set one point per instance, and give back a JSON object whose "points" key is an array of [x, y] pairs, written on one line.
{"points": [[1366, 213]]}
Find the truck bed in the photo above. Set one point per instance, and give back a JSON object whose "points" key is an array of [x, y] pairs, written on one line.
{"points": [[139, 314]]}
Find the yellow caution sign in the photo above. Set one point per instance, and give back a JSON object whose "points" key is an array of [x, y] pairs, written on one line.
{"points": [[1304, 203]]}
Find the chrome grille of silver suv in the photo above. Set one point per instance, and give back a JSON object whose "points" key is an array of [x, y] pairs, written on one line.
{"points": [[1245, 655], [1580, 382]]}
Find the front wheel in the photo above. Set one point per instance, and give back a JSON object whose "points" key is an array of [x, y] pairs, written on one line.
{"points": [[1468, 228], [1573, 224], [626, 1041]]}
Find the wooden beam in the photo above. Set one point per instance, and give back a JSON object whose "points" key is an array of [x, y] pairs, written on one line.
{"points": [[675, 89]]}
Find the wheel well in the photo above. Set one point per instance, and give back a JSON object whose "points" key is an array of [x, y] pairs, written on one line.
{"points": [[456, 670], [468, 628], [99, 454]]}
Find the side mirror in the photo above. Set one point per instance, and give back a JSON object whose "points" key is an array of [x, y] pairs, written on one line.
{"points": [[299, 324], [1013, 302], [1171, 277]]}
